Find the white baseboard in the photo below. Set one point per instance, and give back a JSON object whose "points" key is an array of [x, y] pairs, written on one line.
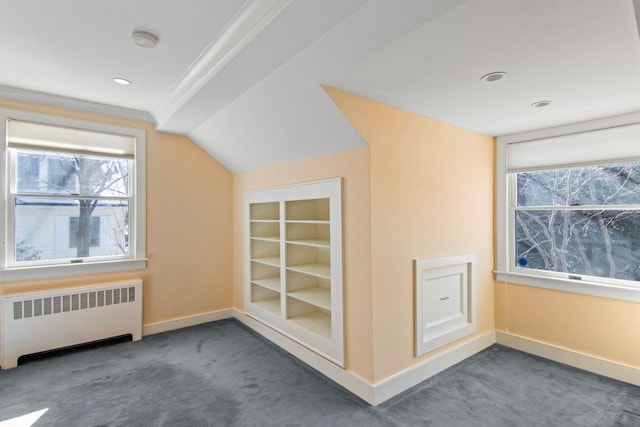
{"points": [[576, 359], [373, 394], [413, 375], [385, 389], [183, 322]]}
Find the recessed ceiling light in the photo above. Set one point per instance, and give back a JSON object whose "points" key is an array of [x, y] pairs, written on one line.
{"points": [[540, 104], [145, 39], [494, 76], [121, 81]]}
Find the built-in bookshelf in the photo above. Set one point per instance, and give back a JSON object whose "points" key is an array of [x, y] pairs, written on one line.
{"points": [[294, 263]]}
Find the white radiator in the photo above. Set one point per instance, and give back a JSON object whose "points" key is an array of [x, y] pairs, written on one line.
{"points": [[40, 321]]}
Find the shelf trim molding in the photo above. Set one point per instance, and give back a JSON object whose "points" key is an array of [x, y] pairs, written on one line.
{"points": [[313, 295], [315, 269], [268, 261]]}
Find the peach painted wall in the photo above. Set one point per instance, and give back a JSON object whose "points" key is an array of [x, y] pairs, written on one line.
{"points": [[601, 327], [431, 195], [353, 167], [189, 212]]}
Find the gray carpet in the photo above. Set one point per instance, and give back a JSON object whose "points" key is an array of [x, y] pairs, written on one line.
{"points": [[223, 374]]}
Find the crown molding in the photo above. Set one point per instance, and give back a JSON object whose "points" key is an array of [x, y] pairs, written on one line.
{"points": [[248, 22], [25, 95], [636, 6]]}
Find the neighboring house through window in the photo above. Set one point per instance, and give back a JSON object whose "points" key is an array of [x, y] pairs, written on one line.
{"points": [[94, 226]]}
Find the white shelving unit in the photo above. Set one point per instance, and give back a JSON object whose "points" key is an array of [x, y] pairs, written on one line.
{"points": [[293, 263]]}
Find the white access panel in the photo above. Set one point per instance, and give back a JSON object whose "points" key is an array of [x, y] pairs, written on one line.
{"points": [[444, 300]]}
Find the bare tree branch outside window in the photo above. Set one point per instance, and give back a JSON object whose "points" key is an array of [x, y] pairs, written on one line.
{"points": [[73, 187], [580, 220]]}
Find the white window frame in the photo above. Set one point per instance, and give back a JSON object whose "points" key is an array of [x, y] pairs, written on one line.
{"points": [[506, 269], [136, 259]]}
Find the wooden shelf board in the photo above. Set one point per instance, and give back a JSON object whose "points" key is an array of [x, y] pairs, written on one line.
{"points": [[320, 297], [307, 221], [315, 269], [266, 238], [311, 242], [273, 261], [272, 283], [317, 322], [270, 305]]}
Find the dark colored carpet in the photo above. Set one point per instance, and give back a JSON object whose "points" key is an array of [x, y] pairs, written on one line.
{"points": [[223, 374]]}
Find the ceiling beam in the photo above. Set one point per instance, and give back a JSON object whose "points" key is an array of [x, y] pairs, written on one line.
{"points": [[248, 22], [636, 6]]}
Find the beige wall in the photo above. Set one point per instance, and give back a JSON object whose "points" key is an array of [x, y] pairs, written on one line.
{"points": [[353, 167], [189, 212], [422, 188], [431, 195], [401, 201], [601, 327]]}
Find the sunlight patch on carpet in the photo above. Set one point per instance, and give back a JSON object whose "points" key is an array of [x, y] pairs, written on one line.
{"points": [[24, 420]]}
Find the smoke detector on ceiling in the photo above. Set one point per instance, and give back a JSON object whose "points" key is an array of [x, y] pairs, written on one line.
{"points": [[145, 39], [493, 77], [540, 104]]}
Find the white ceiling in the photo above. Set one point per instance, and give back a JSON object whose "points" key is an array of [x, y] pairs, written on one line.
{"points": [[243, 79]]}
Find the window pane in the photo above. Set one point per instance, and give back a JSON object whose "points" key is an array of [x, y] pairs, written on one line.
{"points": [[28, 168], [94, 231], [593, 185], [54, 229], [64, 174], [603, 243]]}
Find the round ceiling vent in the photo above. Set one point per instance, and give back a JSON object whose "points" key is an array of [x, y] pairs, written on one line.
{"points": [[540, 104], [145, 39], [494, 76]]}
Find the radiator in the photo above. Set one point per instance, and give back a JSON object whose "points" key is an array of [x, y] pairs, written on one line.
{"points": [[39, 321]]}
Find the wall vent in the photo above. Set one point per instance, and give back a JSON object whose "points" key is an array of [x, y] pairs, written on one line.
{"points": [[70, 302]]}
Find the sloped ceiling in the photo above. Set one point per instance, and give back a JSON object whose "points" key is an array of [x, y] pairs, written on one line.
{"points": [[243, 79]]}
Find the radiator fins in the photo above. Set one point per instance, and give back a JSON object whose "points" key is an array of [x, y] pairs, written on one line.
{"points": [[72, 302]]}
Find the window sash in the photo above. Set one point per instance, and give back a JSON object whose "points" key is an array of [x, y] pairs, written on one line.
{"points": [[12, 237], [578, 208], [14, 195], [511, 246], [14, 175]]}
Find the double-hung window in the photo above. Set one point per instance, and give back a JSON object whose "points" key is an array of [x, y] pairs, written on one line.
{"points": [[568, 212], [74, 197]]}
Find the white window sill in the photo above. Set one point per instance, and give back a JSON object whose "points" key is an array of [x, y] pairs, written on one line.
{"points": [[46, 271], [613, 291]]}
